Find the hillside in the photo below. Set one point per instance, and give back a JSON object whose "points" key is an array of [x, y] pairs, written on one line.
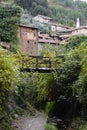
{"points": [[35, 6], [68, 3], [64, 11], [67, 11]]}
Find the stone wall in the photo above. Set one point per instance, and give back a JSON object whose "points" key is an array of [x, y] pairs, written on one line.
{"points": [[28, 39]]}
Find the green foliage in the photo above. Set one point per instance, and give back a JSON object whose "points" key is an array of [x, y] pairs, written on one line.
{"points": [[9, 20], [63, 93], [8, 71], [67, 11], [66, 87], [70, 3], [4, 125], [49, 107], [74, 42], [72, 74], [48, 59], [39, 10], [81, 84], [32, 88], [83, 126], [9, 76], [34, 6], [50, 126], [64, 11], [53, 51]]}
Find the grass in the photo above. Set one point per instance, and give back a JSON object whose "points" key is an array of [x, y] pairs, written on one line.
{"points": [[50, 126], [83, 126]]}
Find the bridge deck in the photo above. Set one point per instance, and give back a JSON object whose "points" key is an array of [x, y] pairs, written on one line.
{"points": [[40, 70], [40, 64]]}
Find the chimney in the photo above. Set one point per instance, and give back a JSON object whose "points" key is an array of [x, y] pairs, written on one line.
{"points": [[77, 23]]}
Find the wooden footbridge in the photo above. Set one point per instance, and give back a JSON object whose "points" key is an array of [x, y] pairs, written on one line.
{"points": [[40, 63]]}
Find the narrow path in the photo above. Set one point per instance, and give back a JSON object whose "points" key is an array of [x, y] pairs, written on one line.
{"points": [[35, 123]]}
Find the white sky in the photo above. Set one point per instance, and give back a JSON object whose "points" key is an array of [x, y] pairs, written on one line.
{"points": [[82, 0]]}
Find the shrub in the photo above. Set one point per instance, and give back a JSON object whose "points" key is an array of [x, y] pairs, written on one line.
{"points": [[50, 126], [83, 126], [49, 107]]}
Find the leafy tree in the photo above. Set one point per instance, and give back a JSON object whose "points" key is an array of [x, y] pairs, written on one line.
{"points": [[81, 84], [63, 15], [39, 10], [9, 20], [61, 10], [75, 41], [71, 81], [9, 76], [34, 6], [80, 4], [67, 86]]}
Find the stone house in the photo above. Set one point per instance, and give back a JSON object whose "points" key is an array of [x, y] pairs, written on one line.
{"points": [[42, 18], [81, 31], [31, 40], [28, 39], [54, 26], [51, 39], [61, 27], [65, 35]]}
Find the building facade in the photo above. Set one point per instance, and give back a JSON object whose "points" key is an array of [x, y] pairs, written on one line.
{"points": [[50, 39], [28, 39], [81, 31]]}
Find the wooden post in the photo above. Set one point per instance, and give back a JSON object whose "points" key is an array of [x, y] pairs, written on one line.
{"points": [[36, 62]]}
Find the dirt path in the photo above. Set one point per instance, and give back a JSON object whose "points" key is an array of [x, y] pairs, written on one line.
{"points": [[35, 123]]}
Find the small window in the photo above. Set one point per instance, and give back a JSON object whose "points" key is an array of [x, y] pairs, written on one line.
{"points": [[34, 34], [28, 41]]}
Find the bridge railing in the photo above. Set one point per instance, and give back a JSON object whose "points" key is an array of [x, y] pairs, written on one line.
{"points": [[40, 62]]}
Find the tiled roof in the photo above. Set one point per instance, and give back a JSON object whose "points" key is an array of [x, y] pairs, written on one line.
{"points": [[44, 17], [48, 41], [26, 26]]}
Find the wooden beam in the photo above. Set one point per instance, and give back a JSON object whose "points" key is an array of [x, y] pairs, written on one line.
{"points": [[40, 70]]}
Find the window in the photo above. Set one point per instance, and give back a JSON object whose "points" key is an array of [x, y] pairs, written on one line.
{"points": [[34, 34], [28, 41], [53, 28]]}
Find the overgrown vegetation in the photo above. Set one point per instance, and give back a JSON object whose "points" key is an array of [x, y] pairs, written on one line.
{"points": [[62, 93], [67, 11], [83, 126], [9, 20], [34, 6], [50, 126], [9, 78]]}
